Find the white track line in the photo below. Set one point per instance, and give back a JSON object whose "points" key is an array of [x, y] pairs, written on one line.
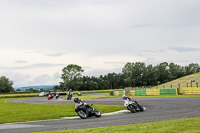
{"points": [[105, 114]]}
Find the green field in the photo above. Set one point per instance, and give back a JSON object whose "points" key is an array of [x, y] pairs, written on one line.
{"points": [[19, 95], [19, 112], [109, 96], [184, 125], [36, 94]]}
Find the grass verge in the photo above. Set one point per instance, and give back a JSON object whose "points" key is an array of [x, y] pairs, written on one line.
{"points": [[184, 125], [19, 112], [109, 96], [18, 95]]}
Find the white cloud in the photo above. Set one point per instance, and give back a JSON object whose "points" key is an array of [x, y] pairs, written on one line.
{"points": [[40, 37]]}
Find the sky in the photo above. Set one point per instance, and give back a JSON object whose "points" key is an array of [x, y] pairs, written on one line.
{"points": [[38, 38]]}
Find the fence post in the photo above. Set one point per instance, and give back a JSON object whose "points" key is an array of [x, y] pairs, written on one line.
{"points": [[171, 85], [187, 85], [197, 84]]}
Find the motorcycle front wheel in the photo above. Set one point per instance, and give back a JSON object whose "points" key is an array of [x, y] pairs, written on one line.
{"points": [[97, 113], [141, 108], [82, 114]]}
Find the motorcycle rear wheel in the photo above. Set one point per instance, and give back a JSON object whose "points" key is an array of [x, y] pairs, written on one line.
{"points": [[132, 109]]}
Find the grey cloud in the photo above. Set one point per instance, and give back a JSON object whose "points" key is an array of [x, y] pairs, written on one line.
{"points": [[115, 62], [155, 51], [55, 54], [86, 67], [184, 49], [56, 76], [51, 54], [151, 59], [41, 79], [39, 65], [20, 61], [141, 25], [98, 72]]}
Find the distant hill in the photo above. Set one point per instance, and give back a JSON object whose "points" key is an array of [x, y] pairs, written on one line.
{"points": [[45, 87], [183, 82]]}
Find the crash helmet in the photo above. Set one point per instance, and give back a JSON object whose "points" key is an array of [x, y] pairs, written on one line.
{"points": [[70, 89], [76, 100], [124, 97]]}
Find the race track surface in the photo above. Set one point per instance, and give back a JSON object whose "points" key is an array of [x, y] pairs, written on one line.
{"points": [[157, 109]]}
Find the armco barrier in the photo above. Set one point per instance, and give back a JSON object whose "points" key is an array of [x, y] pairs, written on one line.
{"points": [[152, 92], [190, 91], [172, 91], [140, 92]]}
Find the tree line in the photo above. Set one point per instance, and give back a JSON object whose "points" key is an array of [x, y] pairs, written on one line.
{"points": [[132, 75]]}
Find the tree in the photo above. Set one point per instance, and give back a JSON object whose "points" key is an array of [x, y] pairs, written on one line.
{"points": [[6, 85], [127, 72], [93, 85], [32, 90], [192, 68], [72, 76]]}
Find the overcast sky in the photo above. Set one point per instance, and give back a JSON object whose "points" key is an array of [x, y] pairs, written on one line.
{"points": [[40, 37]]}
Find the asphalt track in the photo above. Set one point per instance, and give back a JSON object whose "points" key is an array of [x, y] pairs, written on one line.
{"points": [[157, 109]]}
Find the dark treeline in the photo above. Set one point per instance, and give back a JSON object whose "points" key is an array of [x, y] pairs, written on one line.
{"points": [[136, 74]]}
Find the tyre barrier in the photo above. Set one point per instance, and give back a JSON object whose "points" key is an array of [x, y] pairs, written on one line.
{"points": [[119, 93], [150, 92], [168, 91], [190, 91], [140, 92], [153, 92], [132, 92]]}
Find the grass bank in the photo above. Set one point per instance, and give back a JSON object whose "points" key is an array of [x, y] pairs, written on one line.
{"points": [[184, 125], [19, 112]]}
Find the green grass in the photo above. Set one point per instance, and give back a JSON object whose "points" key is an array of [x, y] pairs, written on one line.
{"points": [[94, 97], [19, 112], [18, 95], [184, 125], [36, 94], [109, 96], [183, 82], [94, 91]]}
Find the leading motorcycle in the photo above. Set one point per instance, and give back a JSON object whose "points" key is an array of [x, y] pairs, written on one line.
{"points": [[133, 106]]}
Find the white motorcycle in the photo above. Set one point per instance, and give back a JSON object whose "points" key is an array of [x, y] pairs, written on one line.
{"points": [[133, 106]]}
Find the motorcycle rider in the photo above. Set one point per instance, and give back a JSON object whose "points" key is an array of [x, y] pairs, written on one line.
{"points": [[69, 94], [124, 97], [79, 102]]}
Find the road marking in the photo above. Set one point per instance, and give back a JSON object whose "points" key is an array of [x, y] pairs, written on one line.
{"points": [[104, 114]]}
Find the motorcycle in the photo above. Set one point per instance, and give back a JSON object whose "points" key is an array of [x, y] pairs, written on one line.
{"points": [[87, 110], [50, 96], [133, 106], [69, 97], [80, 93], [57, 96]]}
